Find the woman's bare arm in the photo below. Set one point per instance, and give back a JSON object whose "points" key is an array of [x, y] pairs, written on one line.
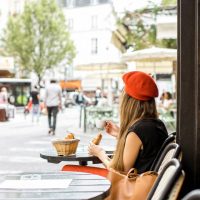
{"points": [[98, 151], [132, 147]]}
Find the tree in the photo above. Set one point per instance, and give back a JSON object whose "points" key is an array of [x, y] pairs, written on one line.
{"points": [[38, 38], [141, 26], [142, 31], [168, 2]]}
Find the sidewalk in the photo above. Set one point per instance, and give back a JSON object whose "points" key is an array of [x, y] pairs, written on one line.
{"points": [[67, 121], [22, 141]]}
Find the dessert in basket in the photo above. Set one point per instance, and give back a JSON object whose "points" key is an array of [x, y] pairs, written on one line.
{"points": [[70, 136], [66, 146]]}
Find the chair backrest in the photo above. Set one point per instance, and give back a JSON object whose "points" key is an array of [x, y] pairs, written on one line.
{"points": [[165, 181], [193, 195], [172, 150], [174, 134], [170, 139], [173, 195]]}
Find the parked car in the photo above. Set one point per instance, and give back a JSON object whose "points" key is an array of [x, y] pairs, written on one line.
{"points": [[69, 100]]}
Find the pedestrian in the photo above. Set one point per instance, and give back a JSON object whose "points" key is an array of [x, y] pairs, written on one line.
{"points": [[3, 96], [80, 98], [167, 100], [4, 103], [53, 102], [35, 100], [140, 134]]}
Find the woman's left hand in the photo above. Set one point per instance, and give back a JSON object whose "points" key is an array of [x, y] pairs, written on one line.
{"points": [[95, 150]]}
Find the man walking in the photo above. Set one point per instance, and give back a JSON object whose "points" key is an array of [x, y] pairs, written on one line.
{"points": [[53, 98]]}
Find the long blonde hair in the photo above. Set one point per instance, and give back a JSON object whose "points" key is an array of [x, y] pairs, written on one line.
{"points": [[131, 111]]}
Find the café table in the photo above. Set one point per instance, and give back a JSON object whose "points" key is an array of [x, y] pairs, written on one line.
{"points": [[81, 156], [57, 186]]}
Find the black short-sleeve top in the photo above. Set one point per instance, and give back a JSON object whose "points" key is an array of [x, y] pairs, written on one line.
{"points": [[34, 95], [152, 133]]}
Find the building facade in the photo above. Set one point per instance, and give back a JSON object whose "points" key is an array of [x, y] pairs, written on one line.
{"points": [[92, 24], [8, 8]]}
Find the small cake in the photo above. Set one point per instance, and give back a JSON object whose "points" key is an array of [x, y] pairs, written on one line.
{"points": [[97, 139], [70, 136]]}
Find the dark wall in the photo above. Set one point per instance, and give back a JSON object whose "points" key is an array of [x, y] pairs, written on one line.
{"points": [[188, 91]]}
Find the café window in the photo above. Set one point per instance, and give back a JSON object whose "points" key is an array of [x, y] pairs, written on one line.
{"points": [[94, 21], [94, 46]]}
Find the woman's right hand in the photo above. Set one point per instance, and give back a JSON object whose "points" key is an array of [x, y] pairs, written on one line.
{"points": [[112, 129]]}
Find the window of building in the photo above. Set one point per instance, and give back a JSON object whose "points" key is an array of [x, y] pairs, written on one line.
{"points": [[70, 3], [62, 3], [70, 23], [94, 21], [94, 2], [104, 1], [94, 46], [80, 3], [66, 3], [16, 7]]}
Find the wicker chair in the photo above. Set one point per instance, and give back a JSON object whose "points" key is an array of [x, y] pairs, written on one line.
{"points": [[172, 150], [168, 183], [173, 195], [169, 140]]}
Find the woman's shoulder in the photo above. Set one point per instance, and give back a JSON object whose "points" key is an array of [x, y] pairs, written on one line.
{"points": [[146, 124], [146, 121], [149, 128]]}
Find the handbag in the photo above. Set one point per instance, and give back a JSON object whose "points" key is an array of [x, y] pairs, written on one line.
{"points": [[132, 186]]}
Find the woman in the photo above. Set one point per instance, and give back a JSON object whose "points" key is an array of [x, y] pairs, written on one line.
{"points": [[3, 96], [35, 98], [141, 134], [167, 101]]}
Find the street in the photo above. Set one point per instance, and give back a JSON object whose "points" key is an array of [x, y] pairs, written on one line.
{"points": [[22, 140]]}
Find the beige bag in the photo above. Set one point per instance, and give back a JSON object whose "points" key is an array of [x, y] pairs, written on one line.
{"points": [[131, 186]]}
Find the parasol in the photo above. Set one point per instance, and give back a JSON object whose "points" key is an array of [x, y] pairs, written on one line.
{"points": [[153, 54]]}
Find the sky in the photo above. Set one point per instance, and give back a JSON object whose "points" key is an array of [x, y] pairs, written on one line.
{"points": [[122, 5]]}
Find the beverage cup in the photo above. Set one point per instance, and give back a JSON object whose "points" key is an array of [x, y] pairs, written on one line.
{"points": [[100, 123]]}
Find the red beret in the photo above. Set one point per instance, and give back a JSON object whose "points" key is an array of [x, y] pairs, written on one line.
{"points": [[140, 85]]}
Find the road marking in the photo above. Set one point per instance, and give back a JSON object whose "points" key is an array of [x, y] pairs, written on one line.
{"points": [[26, 159], [10, 172], [17, 149], [39, 142]]}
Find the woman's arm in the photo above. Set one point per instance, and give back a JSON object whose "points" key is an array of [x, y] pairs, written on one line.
{"points": [[132, 147], [99, 152], [112, 129]]}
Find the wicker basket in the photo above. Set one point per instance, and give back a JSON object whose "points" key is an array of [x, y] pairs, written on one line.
{"points": [[66, 147]]}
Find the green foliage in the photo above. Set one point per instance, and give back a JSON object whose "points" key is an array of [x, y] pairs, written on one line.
{"points": [[168, 2], [142, 28], [38, 38], [169, 43], [141, 34]]}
